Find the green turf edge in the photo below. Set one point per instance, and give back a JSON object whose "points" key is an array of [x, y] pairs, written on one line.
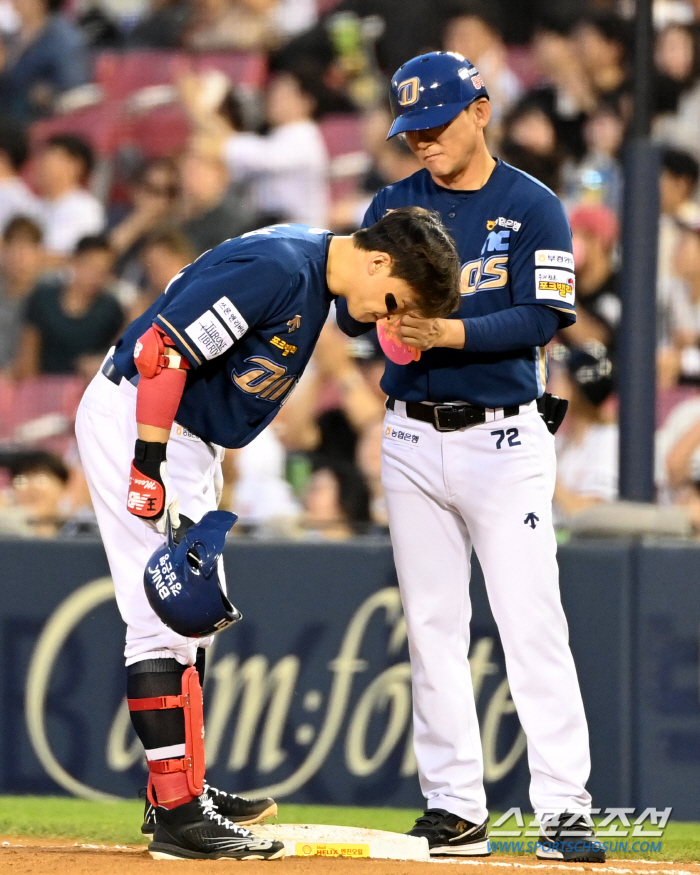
{"points": [[119, 823]]}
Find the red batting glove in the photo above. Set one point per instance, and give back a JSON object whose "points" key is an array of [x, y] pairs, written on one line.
{"points": [[151, 492]]}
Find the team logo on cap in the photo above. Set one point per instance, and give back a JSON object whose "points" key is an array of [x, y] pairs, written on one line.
{"points": [[408, 91]]}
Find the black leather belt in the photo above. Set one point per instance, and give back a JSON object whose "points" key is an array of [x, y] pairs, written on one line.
{"points": [[110, 370], [449, 417]]}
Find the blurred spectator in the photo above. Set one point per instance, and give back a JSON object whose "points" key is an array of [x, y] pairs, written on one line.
{"points": [[595, 232], [16, 198], [211, 214], [476, 34], [164, 255], [369, 461], [287, 169], [391, 162], [678, 318], [400, 31], [69, 210], [154, 195], [22, 262], [336, 501], [678, 451], [677, 62], [587, 462], [231, 24], [42, 60], [565, 94], [263, 498], [597, 178], [602, 40], [70, 323], [33, 504], [679, 178], [530, 143], [163, 27]]}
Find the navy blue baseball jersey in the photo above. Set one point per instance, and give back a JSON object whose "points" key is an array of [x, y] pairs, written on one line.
{"points": [[247, 316], [514, 244]]}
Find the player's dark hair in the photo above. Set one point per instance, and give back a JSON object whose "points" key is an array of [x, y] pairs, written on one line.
{"points": [[680, 163], [13, 142], [423, 255], [77, 148], [21, 226]]}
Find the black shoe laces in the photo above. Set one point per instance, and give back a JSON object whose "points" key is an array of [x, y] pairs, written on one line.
{"points": [[210, 812]]}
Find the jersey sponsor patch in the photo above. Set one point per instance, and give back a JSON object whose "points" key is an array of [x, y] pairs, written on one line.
{"points": [[209, 335], [401, 436], [502, 222], [231, 317], [551, 284], [181, 431], [554, 258]]}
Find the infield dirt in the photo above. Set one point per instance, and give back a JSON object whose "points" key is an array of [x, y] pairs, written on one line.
{"points": [[22, 856]]}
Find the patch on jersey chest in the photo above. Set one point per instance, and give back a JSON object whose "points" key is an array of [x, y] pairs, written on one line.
{"points": [[401, 436], [555, 284], [502, 222]]}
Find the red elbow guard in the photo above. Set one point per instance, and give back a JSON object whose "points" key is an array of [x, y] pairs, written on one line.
{"points": [[149, 353]]}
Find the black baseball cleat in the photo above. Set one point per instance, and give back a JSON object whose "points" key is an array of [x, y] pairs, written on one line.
{"points": [[569, 837], [196, 831], [449, 834], [244, 812]]}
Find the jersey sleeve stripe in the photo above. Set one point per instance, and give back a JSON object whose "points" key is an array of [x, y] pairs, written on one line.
{"points": [[177, 334]]}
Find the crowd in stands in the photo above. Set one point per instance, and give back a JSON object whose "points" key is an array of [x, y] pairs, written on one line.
{"points": [[137, 134]]}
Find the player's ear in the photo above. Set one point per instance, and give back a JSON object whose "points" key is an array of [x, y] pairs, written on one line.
{"points": [[380, 262], [482, 110]]}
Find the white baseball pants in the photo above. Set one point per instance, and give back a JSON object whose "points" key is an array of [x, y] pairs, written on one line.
{"points": [[446, 493], [106, 431]]}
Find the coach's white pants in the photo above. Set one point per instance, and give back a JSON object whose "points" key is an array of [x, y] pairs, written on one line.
{"points": [[106, 431], [445, 493]]}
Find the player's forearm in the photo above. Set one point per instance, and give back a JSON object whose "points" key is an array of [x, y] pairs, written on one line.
{"points": [[512, 329], [152, 433]]}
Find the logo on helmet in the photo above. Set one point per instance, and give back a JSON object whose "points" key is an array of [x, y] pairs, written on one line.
{"points": [[408, 91]]}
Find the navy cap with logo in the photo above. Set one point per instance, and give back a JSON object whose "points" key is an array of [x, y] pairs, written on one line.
{"points": [[431, 90]]}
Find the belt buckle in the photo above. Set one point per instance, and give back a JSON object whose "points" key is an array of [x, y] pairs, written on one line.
{"points": [[436, 416]]}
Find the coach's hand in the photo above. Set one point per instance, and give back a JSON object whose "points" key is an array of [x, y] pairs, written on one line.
{"points": [[427, 333], [151, 491]]}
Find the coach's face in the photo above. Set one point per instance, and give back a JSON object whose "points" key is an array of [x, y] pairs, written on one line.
{"points": [[446, 151]]}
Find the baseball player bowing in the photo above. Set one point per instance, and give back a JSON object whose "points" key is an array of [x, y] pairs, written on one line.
{"points": [[208, 366], [479, 469]]}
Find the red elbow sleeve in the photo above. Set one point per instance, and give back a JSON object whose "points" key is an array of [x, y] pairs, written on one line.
{"points": [[158, 398]]}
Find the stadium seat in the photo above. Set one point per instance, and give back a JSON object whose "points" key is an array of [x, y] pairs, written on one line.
{"points": [[99, 124], [157, 133], [122, 74], [342, 133], [248, 69], [41, 408]]}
